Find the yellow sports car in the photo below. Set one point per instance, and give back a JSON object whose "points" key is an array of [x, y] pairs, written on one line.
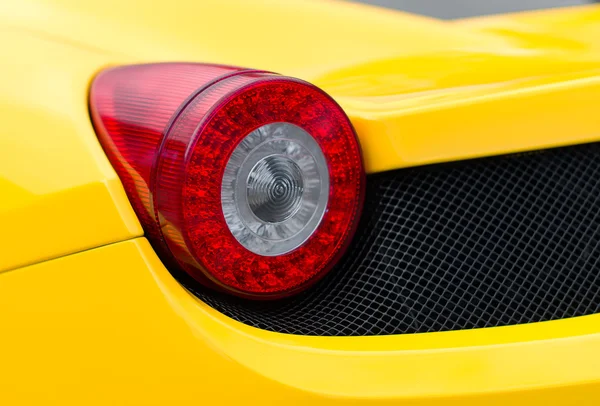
{"points": [[304, 202]]}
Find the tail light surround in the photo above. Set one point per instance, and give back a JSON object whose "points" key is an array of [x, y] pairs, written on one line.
{"points": [[250, 182]]}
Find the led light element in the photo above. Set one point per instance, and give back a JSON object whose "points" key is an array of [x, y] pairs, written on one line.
{"points": [[275, 189], [248, 182]]}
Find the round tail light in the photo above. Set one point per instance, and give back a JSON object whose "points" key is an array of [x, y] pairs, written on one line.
{"points": [[250, 182]]}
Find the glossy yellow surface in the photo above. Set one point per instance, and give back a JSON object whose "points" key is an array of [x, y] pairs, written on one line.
{"points": [[418, 90], [58, 193], [115, 328], [110, 325]]}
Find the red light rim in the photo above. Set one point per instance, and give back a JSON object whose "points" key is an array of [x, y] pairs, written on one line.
{"points": [[169, 130], [319, 115]]}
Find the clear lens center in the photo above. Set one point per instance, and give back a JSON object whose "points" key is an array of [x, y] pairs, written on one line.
{"points": [[275, 188]]}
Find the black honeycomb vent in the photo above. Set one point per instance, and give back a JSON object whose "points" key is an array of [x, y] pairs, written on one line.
{"points": [[487, 242]]}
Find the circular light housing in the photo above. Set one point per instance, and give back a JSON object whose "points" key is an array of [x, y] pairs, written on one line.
{"points": [[255, 186]]}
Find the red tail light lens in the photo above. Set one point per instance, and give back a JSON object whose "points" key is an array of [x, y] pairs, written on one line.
{"points": [[250, 182]]}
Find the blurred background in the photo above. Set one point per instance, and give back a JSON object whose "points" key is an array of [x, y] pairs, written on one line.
{"points": [[449, 9]]}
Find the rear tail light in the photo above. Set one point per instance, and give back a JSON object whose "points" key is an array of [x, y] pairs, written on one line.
{"points": [[250, 182]]}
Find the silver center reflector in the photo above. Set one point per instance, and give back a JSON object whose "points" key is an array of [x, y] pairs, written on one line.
{"points": [[275, 189]]}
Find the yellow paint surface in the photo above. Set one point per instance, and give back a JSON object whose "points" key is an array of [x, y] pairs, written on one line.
{"points": [[111, 326]]}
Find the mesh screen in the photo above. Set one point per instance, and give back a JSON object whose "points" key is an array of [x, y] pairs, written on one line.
{"points": [[488, 242]]}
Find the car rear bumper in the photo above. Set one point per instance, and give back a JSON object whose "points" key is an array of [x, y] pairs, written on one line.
{"points": [[111, 325]]}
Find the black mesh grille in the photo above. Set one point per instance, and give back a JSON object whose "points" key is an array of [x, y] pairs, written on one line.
{"points": [[488, 242]]}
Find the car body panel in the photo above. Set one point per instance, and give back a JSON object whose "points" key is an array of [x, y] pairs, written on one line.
{"points": [[59, 193], [516, 90], [111, 325], [407, 82], [117, 328]]}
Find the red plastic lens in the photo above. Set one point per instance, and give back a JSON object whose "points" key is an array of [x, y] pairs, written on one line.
{"points": [[170, 131]]}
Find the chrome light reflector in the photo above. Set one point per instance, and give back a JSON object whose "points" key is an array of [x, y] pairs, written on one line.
{"points": [[275, 189]]}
